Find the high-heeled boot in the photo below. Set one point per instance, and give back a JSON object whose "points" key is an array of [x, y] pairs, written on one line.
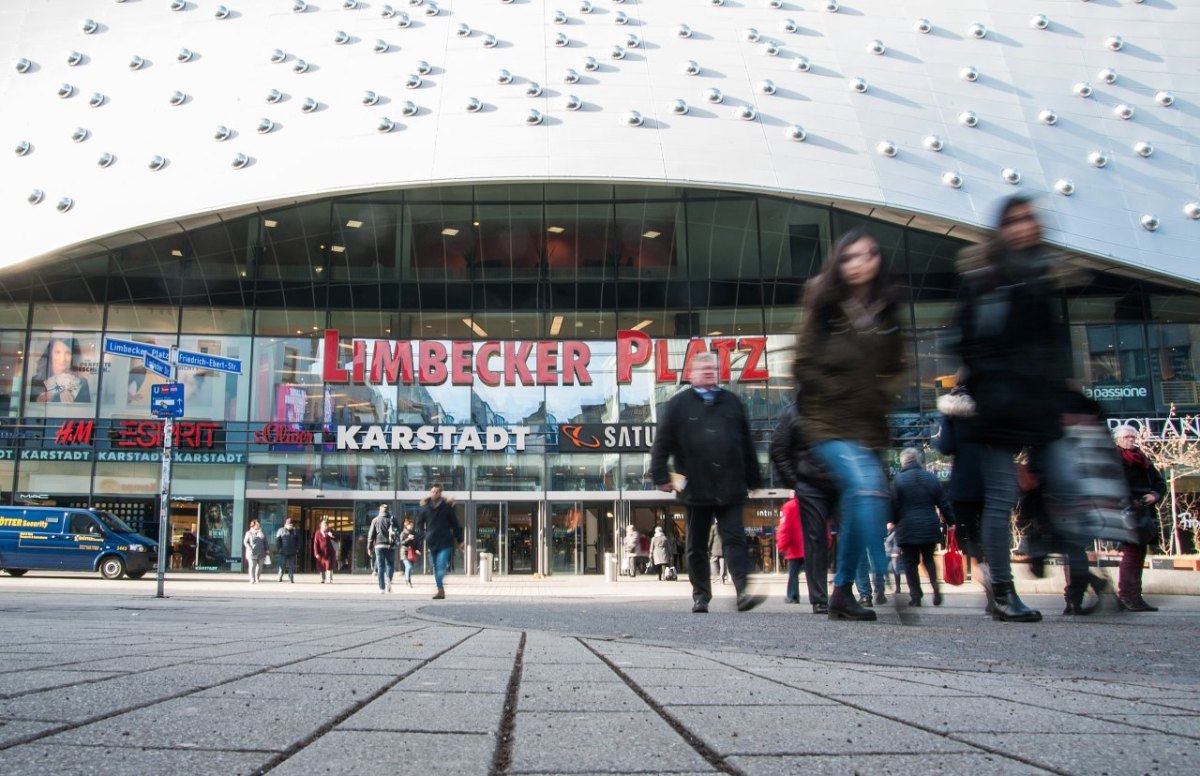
{"points": [[983, 574], [843, 606], [1008, 607]]}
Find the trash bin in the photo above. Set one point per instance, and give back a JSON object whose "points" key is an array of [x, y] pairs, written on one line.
{"points": [[485, 567], [610, 567]]}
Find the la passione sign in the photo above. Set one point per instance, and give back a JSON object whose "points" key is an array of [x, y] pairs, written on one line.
{"points": [[507, 362]]}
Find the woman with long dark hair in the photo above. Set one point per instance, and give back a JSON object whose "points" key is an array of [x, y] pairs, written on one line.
{"points": [[1014, 345], [848, 356], [57, 378]]}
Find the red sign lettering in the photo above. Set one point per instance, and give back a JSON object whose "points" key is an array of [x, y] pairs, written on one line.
{"points": [[75, 432], [282, 434], [148, 434]]}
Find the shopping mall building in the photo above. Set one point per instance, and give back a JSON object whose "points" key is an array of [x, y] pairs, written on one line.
{"points": [[473, 242]]}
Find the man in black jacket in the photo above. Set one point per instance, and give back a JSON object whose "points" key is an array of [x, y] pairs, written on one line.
{"points": [[817, 496], [704, 429], [438, 524], [287, 545]]}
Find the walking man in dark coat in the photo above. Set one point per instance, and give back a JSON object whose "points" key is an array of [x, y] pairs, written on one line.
{"points": [[438, 523], [704, 430]]}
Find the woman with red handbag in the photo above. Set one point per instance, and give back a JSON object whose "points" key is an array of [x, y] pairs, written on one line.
{"points": [[408, 549], [917, 498]]}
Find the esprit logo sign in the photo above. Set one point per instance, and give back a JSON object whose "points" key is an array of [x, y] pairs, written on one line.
{"points": [[507, 363]]}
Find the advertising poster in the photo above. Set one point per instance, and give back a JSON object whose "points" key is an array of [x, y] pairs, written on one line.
{"points": [[62, 368]]}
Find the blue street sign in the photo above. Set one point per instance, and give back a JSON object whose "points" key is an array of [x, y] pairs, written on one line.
{"points": [[166, 400], [135, 349], [157, 366], [205, 361]]}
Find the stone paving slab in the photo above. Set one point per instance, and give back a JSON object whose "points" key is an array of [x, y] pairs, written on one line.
{"points": [[1180, 724], [430, 712], [570, 695], [344, 666], [626, 742], [128, 663], [779, 730], [739, 692], [543, 649], [298, 688], [1138, 752], [19, 682], [268, 656], [12, 730], [62, 760], [594, 672], [1118, 689], [352, 753], [456, 680], [884, 765], [961, 715]]}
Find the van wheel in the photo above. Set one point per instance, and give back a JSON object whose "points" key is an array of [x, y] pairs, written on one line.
{"points": [[112, 567], [135, 574], [15, 572]]}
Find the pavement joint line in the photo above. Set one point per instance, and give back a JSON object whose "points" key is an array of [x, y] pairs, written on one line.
{"points": [[34, 737], [710, 755], [295, 748], [505, 735], [153, 748], [909, 723]]}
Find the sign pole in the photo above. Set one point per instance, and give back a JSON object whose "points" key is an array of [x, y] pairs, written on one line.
{"points": [[164, 501]]}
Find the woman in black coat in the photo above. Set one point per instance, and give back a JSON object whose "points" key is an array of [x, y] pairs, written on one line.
{"points": [[917, 497], [1146, 490]]}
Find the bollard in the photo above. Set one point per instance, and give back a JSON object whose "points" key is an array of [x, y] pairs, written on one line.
{"points": [[610, 567], [485, 567]]}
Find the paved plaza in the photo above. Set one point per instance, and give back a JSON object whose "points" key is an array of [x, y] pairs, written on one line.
{"points": [[570, 676]]}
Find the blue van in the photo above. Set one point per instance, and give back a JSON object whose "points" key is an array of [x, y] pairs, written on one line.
{"points": [[63, 539]]}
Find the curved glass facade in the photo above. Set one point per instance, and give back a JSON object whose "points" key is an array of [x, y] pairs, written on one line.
{"points": [[477, 285]]}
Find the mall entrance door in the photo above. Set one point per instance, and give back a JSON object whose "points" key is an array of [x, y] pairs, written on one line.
{"points": [[512, 531], [580, 534], [341, 522]]}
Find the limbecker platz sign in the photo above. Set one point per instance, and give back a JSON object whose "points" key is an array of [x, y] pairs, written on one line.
{"points": [[507, 362]]}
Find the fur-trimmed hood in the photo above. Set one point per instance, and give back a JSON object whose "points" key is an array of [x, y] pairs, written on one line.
{"points": [[448, 499], [956, 405]]}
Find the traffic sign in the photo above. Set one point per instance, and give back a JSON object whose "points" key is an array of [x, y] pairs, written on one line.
{"points": [[135, 349], [206, 361], [157, 366], [166, 400]]}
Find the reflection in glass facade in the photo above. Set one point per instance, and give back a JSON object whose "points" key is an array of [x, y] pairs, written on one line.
{"points": [[450, 270]]}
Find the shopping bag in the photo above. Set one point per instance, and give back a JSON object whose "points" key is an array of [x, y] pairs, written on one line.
{"points": [[266, 560], [952, 562]]}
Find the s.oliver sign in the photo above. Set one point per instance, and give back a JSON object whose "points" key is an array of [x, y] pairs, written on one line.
{"points": [[507, 362]]}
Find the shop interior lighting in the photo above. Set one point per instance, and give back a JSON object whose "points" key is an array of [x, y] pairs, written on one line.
{"points": [[556, 229], [354, 224], [475, 327], [556, 325], [450, 231], [651, 234], [642, 325], [270, 224]]}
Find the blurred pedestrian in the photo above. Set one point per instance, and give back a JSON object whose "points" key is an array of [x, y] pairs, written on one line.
{"points": [[703, 429], [789, 538], [408, 549], [1146, 490], [1014, 345], [917, 500], [383, 537], [895, 559], [287, 547], [660, 553], [849, 356], [630, 546], [255, 545], [438, 523], [325, 551], [800, 471], [966, 480], [716, 556]]}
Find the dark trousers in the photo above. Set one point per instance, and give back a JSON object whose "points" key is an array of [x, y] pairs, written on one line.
{"points": [[1129, 578], [733, 544], [912, 554], [793, 580], [815, 510]]}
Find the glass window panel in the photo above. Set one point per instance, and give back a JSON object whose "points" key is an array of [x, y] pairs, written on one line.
{"points": [[794, 238], [509, 192], [936, 368], [934, 314], [731, 322], [722, 238], [366, 323], [420, 472], [138, 317], [287, 380], [297, 247], [54, 477], [509, 241], [506, 324], [206, 480], [366, 240], [889, 236], [649, 236], [783, 319], [441, 241], [498, 471], [290, 322], [14, 314], [1175, 363], [213, 395], [7, 470], [127, 383], [580, 472], [1111, 363], [12, 375], [126, 478], [503, 405], [931, 264], [63, 371], [635, 472], [580, 240], [1175, 309], [297, 471], [217, 320], [595, 403], [220, 252], [1092, 309], [51, 315]]}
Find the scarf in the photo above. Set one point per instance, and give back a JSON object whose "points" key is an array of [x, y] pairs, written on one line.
{"points": [[1135, 457]]}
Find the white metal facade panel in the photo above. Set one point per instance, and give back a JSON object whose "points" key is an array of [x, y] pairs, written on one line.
{"points": [[914, 90]]}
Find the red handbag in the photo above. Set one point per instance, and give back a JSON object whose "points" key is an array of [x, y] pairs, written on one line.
{"points": [[952, 562]]}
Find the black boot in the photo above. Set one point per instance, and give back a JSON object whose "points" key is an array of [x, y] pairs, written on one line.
{"points": [[1074, 597], [1106, 594], [842, 605], [1007, 607]]}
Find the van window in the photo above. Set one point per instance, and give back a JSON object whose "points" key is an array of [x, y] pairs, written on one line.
{"points": [[83, 524], [112, 522]]}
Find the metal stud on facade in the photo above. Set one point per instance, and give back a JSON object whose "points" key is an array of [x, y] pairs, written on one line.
{"points": [[1098, 159], [968, 74], [265, 126], [977, 31], [1064, 186], [572, 103], [473, 105], [136, 62], [1048, 117], [503, 77], [533, 117], [922, 26], [106, 159], [1107, 75], [222, 133], [299, 66], [157, 163], [64, 204], [1040, 22], [968, 119], [952, 179], [632, 119], [239, 161], [795, 132], [96, 100], [858, 85], [1165, 99], [678, 107], [385, 125], [309, 105], [1150, 222], [35, 196], [73, 59], [1010, 176], [1114, 43], [23, 65], [933, 143], [887, 148], [713, 95], [79, 135], [90, 26], [767, 86], [533, 89], [408, 108], [1124, 112], [683, 31], [1143, 149], [1082, 89], [1192, 210], [876, 47], [801, 64], [691, 67], [745, 112]]}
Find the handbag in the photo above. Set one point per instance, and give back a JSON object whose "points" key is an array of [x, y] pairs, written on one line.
{"points": [[1100, 485], [266, 560], [952, 562], [411, 554]]}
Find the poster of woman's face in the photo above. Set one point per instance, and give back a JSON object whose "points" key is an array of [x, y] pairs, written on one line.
{"points": [[216, 534], [63, 367]]}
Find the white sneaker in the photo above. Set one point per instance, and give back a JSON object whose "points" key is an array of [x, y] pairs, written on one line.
{"points": [[389, 587], [382, 591]]}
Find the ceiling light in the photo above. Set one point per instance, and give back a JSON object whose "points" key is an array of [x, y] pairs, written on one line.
{"points": [[450, 231], [475, 327], [641, 325], [556, 229], [338, 248], [270, 224], [556, 325], [176, 252], [354, 224]]}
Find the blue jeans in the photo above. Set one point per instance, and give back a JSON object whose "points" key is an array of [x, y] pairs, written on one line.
{"points": [[441, 562], [408, 567], [793, 582], [865, 500], [862, 576], [287, 563], [385, 565]]}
